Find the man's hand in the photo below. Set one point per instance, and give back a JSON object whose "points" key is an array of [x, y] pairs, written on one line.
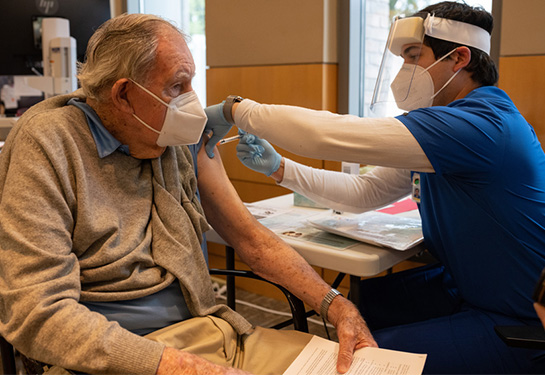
{"points": [[175, 362], [217, 124], [351, 330]]}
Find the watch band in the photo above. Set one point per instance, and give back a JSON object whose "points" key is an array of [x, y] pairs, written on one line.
{"points": [[228, 107], [324, 307]]}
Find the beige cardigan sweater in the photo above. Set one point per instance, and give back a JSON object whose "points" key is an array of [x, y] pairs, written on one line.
{"points": [[77, 227]]}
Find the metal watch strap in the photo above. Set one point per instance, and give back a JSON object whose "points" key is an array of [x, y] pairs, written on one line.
{"points": [[324, 307], [228, 107]]}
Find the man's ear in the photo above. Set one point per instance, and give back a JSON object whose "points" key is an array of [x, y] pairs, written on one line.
{"points": [[120, 96], [462, 58]]}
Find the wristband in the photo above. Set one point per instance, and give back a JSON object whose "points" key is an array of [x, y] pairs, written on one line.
{"points": [[324, 307], [228, 107]]}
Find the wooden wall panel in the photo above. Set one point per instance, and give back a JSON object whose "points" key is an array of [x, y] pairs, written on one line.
{"points": [[307, 85], [523, 78], [250, 191]]}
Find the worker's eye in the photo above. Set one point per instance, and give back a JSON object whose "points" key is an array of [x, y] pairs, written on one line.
{"points": [[411, 54]]}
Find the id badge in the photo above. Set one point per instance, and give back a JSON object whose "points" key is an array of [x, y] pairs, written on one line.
{"points": [[415, 196]]}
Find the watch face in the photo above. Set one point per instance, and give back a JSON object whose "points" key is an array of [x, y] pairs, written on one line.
{"points": [[235, 98]]}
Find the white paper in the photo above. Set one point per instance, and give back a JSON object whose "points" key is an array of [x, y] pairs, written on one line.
{"points": [[319, 357]]}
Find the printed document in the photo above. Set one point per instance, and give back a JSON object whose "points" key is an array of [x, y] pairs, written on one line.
{"points": [[319, 357]]}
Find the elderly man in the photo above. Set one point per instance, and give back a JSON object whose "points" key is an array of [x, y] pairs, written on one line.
{"points": [[102, 225]]}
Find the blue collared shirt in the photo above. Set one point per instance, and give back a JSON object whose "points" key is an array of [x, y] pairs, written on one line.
{"points": [[106, 143]]}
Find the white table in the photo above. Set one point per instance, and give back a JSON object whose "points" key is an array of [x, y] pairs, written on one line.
{"points": [[357, 261]]}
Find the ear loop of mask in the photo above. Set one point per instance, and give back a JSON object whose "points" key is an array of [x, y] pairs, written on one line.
{"points": [[450, 79], [153, 95]]}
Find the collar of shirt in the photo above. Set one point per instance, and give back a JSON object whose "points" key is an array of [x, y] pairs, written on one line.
{"points": [[106, 143]]}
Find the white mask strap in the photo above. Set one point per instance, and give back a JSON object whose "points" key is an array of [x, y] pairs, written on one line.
{"points": [[146, 125], [450, 79], [445, 85], [156, 97], [149, 92], [441, 59]]}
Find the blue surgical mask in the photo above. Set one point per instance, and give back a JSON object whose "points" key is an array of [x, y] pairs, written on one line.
{"points": [[184, 121]]}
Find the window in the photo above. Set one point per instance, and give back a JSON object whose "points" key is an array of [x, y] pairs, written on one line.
{"points": [[188, 15], [369, 24]]}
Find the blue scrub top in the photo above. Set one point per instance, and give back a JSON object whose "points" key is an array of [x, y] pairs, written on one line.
{"points": [[483, 210]]}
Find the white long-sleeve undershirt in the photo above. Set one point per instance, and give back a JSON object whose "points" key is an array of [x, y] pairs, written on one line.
{"points": [[325, 135], [347, 192]]}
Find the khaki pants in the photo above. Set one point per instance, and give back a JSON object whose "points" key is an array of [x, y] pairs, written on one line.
{"points": [[263, 351]]}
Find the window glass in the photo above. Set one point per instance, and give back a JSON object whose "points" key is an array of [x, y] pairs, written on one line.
{"points": [[188, 15], [376, 17]]}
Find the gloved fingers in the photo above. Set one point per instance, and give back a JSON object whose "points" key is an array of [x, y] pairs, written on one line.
{"points": [[244, 157], [251, 149], [214, 139], [248, 138], [217, 124]]}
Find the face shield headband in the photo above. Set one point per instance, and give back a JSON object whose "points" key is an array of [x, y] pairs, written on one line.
{"points": [[412, 30]]}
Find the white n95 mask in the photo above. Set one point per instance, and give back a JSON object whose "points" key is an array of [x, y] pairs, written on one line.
{"points": [[413, 86], [184, 121]]}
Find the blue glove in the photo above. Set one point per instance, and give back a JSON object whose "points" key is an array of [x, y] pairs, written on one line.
{"points": [[217, 124], [257, 154]]}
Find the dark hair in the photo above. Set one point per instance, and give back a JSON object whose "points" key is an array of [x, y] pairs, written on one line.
{"points": [[482, 68]]}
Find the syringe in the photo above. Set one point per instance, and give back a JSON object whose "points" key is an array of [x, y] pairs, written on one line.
{"points": [[229, 139]]}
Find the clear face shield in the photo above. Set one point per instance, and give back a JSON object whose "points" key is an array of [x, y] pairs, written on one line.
{"points": [[402, 84], [404, 31]]}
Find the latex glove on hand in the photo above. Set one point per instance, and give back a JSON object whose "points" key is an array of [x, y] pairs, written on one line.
{"points": [[257, 154], [217, 124]]}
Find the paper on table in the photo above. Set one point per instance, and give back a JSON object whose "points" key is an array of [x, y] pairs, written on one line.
{"points": [[396, 232], [293, 224], [319, 357]]}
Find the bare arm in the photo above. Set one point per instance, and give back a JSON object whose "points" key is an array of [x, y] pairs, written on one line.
{"points": [[271, 258]]}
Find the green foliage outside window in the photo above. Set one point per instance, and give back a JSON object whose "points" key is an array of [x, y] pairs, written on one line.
{"points": [[196, 23]]}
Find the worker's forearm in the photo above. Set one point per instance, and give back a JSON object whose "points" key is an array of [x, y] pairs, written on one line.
{"points": [[325, 135]]}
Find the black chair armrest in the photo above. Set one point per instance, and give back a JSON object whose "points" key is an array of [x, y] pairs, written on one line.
{"points": [[8, 357], [297, 306]]}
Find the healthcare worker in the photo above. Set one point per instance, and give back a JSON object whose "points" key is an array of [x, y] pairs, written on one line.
{"points": [[480, 173]]}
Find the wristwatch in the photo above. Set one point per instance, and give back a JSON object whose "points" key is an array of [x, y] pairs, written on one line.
{"points": [[324, 307], [228, 107]]}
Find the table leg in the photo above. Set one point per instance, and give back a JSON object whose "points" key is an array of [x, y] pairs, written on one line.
{"points": [[230, 280], [355, 291]]}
